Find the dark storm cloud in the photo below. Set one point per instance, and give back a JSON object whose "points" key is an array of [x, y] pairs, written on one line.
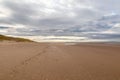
{"points": [[3, 27], [104, 36]]}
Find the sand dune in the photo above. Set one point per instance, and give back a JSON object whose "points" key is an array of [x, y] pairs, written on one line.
{"points": [[59, 61]]}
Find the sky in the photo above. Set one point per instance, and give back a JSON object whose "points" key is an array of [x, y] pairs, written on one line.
{"points": [[93, 19]]}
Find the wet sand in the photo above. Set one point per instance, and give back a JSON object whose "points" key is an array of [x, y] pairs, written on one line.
{"points": [[59, 61]]}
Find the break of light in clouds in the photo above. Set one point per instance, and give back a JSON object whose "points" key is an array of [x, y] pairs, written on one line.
{"points": [[92, 19]]}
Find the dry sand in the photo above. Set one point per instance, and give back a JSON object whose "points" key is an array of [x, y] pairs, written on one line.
{"points": [[59, 61]]}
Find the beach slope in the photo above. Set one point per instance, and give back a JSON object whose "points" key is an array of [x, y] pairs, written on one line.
{"points": [[59, 61]]}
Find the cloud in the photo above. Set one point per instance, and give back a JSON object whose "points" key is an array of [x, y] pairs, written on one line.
{"points": [[107, 5], [48, 12], [41, 17]]}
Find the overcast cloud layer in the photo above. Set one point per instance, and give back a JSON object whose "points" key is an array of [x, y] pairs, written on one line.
{"points": [[96, 19]]}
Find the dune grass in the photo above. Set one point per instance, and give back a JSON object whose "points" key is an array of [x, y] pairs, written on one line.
{"points": [[7, 38]]}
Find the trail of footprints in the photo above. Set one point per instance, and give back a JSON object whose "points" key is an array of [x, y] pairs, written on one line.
{"points": [[12, 75], [34, 57], [14, 71]]}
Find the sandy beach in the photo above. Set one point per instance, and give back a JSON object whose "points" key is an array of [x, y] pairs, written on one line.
{"points": [[59, 61]]}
